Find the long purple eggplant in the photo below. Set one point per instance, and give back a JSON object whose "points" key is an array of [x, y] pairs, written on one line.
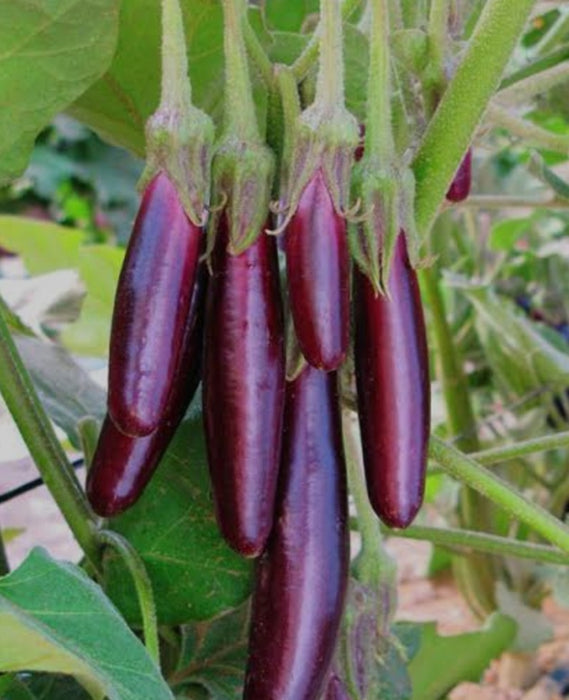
{"points": [[123, 465], [460, 186], [151, 306], [302, 576], [244, 377], [317, 262], [392, 374]]}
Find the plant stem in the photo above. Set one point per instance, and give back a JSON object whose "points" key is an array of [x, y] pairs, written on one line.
{"points": [[475, 576], [519, 507], [330, 81], [496, 455], [240, 116], [57, 473], [143, 587], [506, 202], [176, 90], [451, 130], [379, 140], [532, 134], [375, 566], [257, 53], [438, 40], [460, 417], [537, 66], [524, 90], [469, 540], [308, 57]]}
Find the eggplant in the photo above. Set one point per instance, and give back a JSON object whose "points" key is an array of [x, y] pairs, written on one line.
{"points": [[302, 576], [392, 378]]}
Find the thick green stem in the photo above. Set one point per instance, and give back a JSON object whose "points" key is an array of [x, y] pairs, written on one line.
{"points": [[452, 128], [475, 576], [257, 53], [438, 40], [379, 140], [308, 57], [330, 81], [496, 455], [531, 134], [500, 492], [176, 92], [57, 473], [142, 585], [470, 540], [460, 416], [240, 117]]}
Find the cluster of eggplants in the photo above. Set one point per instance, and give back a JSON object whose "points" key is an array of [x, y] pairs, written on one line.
{"points": [[274, 447]]}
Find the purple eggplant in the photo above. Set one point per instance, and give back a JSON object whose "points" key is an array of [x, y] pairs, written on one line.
{"points": [[392, 375], [460, 186], [317, 263], [123, 465], [151, 307], [244, 378], [302, 576]]}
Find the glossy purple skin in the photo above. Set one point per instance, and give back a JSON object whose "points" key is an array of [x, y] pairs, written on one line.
{"points": [[317, 262], [243, 392], [302, 576], [151, 306], [460, 186], [392, 374], [123, 465]]}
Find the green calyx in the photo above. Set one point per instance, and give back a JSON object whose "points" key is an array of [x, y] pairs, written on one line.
{"points": [[242, 175], [387, 200], [321, 141], [180, 143]]}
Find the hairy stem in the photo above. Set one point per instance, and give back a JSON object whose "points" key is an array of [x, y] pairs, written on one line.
{"points": [[469, 540], [142, 585], [500, 492], [57, 473], [451, 130]]}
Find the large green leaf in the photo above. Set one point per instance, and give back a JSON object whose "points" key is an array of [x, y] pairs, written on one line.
{"points": [[195, 575], [118, 105], [45, 247], [56, 619], [443, 662], [52, 50]]}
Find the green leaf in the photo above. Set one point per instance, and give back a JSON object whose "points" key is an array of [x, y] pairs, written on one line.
{"points": [[46, 247], [506, 233], [523, 358], [51, 52], [54, 615], [195, 575], [66, 391], [118, 105], [288, 16], [214, 655], [431, 673]]}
